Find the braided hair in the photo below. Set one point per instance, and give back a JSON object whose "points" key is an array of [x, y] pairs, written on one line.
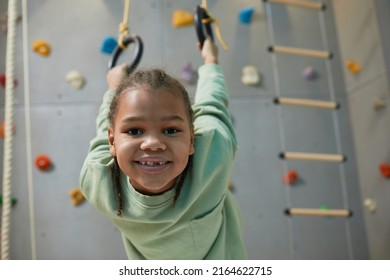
{"points": [[151, 79]]}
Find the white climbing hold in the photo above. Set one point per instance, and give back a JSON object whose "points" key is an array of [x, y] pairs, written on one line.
{"points": [[378, 103], [250, 76], [75, 79], [370, 204]]}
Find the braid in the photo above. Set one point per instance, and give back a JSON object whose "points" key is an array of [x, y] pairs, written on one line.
{"points": [[116, 174]]}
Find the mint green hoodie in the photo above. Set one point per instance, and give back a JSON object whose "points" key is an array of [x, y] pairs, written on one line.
{"points": [[205, 222]]}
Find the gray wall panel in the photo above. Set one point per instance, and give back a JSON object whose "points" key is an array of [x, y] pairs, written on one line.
{"points": [[259, 191], [59, 132], [360, 39], [383, 15], [308, 129], [373, 130], [318, 185], [327, 235], [294, 25], [291, 27]]}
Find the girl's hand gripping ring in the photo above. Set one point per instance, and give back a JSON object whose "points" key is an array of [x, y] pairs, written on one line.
{"points": [[134, 39]]}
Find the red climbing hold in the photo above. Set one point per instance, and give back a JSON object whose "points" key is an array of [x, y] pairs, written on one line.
{"points": [[3, 80], [290, 178], [42, 162]]}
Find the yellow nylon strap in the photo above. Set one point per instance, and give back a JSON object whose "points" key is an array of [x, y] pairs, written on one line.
{"points": [[123, 26], [217, 30]]}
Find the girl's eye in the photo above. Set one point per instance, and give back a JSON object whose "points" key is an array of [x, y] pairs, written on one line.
{"points": [[170, 131], [135, 131]]}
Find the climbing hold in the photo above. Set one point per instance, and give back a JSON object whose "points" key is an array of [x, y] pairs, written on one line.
{"points": [[290, 178], [250, 76], [41, 47], [231, 186], [4, 22], [182, 18], [43, 162], [75, 79], [378, 103], [109, 44], [2, 129], [76, 196], [309, 73], [371, 205], [3, 80], [353, 66], [385, 170], [189, 74], [13, 200], [245, 15]]}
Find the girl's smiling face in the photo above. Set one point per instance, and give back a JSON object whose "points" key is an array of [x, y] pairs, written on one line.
{"points": [[152, 138]]}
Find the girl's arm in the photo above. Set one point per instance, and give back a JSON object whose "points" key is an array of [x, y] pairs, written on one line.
{"points": [[99, 146], [95, 175], [211, 98]]}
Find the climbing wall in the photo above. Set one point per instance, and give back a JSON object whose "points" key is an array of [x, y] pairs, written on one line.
{"points": [[368, 96], [63, 121]]}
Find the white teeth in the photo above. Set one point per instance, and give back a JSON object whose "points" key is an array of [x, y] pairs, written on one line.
{"points": [[150, 163]]}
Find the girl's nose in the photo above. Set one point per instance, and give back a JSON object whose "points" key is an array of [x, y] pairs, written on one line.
{"points": [[153, 143]]}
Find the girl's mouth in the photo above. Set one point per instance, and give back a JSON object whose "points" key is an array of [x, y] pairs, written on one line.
{"points": [[152, 163], [152, 167]]}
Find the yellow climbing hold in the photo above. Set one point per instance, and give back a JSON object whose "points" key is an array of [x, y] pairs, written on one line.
{"points": [[76, 196], [41, 47], [182, 18]]}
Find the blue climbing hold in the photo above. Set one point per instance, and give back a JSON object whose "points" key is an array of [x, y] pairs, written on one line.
{"points": [[246, 14], [109, 44]]}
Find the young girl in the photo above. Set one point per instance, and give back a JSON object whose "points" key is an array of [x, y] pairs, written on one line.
{"points": [[160, 169]]}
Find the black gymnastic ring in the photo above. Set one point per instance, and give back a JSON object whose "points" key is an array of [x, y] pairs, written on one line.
{"points": [[200, 27], [134, 39]]}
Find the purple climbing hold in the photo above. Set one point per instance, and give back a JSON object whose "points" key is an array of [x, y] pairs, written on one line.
{"points": [[189, 74], [309, 73]]}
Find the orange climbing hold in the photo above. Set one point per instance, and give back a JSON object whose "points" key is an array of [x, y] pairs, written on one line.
{"points": [[2, 129], [290, 178], [41, 47], [182, 18], [353, 66], [42, 162]]}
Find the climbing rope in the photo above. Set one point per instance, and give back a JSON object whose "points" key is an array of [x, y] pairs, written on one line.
{"points": [[8, 137], [124, 25], [124, 40]]}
